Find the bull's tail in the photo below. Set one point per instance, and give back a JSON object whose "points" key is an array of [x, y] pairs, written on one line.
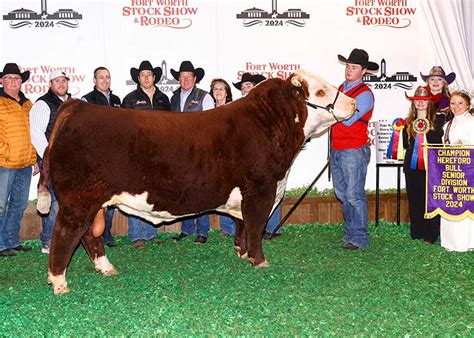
{"points": [[44, 196]]}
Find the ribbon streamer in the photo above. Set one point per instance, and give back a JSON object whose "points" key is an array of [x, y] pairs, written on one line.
{"points": [[421, 126], [395, 147]]}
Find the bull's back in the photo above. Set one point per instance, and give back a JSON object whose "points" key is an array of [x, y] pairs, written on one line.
{"points": [[166, 154]]}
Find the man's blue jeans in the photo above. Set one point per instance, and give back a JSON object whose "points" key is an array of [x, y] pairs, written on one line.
{"points": [[139, 229], [14, 191], [228, 224], [48, 221], [199, 225], [349, 171], [274, 221], [109, 216]]}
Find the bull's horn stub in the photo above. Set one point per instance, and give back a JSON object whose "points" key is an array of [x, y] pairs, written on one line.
{"points": [[295, 81]]}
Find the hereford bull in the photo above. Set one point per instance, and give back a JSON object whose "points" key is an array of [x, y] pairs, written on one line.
{"points": [[162, 166]]}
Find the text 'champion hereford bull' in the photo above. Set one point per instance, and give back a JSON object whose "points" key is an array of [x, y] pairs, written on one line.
{"points": [[162, 166]]}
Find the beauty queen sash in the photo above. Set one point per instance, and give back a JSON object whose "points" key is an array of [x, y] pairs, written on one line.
{"points": [[421, 126], [395, 147]]}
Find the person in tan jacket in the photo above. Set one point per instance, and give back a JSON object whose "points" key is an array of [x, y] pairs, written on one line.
{"points": [[17, 156]]}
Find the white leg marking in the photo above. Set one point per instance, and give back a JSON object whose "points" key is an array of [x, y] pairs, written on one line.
{"points": [[59, 283], [103, 266]]}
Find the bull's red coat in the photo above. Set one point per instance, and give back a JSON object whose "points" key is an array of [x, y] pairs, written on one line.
{"points": [[187, 163]]}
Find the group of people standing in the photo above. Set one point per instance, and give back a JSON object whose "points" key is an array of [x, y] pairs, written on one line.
{"points": [[25, 130], [435, 116]]}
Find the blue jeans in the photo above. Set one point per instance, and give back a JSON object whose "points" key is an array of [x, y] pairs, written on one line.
{"points": [[199, 225], [349, 171], [14, 191], [109, 216], [48, 221], [274, 221], [139, 229], [228, 224]]}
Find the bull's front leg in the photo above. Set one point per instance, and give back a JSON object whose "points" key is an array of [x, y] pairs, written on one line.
{"points": [[66, 236]]}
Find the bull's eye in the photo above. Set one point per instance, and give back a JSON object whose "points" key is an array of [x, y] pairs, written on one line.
{"points": [[320, 93]]}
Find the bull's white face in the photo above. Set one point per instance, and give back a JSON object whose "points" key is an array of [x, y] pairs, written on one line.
{"points": [[322, 94]]}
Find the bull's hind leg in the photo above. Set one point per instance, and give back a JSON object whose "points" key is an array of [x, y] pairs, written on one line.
{"points": [[240, 241], [95, 248], [255, 210], [68, 230]]}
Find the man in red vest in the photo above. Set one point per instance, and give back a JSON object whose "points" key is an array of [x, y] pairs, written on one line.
{"points": [[350, 150]]}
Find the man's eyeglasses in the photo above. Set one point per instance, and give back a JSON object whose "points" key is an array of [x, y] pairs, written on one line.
{"points": [[12, 78]]}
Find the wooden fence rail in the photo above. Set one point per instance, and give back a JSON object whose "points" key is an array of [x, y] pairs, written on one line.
{"points": [[313, 209]]}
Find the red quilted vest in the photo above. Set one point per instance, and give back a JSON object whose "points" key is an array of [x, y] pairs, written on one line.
{"points": [[356, 135]]}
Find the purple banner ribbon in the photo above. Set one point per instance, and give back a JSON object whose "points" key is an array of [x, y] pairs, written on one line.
{"points": [[450, 182]]}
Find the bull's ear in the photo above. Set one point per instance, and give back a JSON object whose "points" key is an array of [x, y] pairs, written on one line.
{"points": [[296, 80], [300, 86]]}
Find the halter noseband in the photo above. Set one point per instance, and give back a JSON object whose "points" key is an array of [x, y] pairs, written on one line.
{"points": [[329, 108]]}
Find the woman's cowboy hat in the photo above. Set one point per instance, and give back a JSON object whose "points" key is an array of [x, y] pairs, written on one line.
{"points": [[360, 57], [438, 71], [146, 65], [12, 68], [187, 66], [421, 93], [247, 77]]}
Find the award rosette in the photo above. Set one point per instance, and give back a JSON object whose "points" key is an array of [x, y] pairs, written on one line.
{"points": [[421, 126], [395, 147]]}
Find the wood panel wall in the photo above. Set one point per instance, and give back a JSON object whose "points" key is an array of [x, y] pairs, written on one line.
{"points": [[320, 209]]}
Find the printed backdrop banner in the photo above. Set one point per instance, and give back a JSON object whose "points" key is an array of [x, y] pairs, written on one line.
{"points": [[450, 182], [226, 38]]}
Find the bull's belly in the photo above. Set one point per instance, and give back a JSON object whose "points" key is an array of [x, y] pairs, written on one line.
{"points": [[137, 205]]}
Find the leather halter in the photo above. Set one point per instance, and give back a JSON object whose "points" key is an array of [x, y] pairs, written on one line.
{"points": [[329, 108]]}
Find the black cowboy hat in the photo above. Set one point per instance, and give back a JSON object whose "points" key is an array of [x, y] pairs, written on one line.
{"points": [[247, 77], [146, 65], [439, 71], [12, 68], [187, 66], [360, 57]]}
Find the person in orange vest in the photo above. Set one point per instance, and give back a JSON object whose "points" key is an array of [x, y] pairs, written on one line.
{"points": [[17, 156]]}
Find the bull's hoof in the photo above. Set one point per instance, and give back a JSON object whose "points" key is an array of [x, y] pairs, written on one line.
{"points": [[245, 255], [59, 290], [263, 264], [103, 266], [111, 272]]}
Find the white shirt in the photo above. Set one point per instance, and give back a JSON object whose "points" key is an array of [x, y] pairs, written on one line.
{"points": [[461, 130], [39, 118]]}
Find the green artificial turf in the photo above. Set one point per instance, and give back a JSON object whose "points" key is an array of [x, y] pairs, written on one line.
{"points": [[396, 287]]}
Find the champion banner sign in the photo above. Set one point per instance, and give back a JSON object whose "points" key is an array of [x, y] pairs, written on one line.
{"points": [[450, 182]]}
